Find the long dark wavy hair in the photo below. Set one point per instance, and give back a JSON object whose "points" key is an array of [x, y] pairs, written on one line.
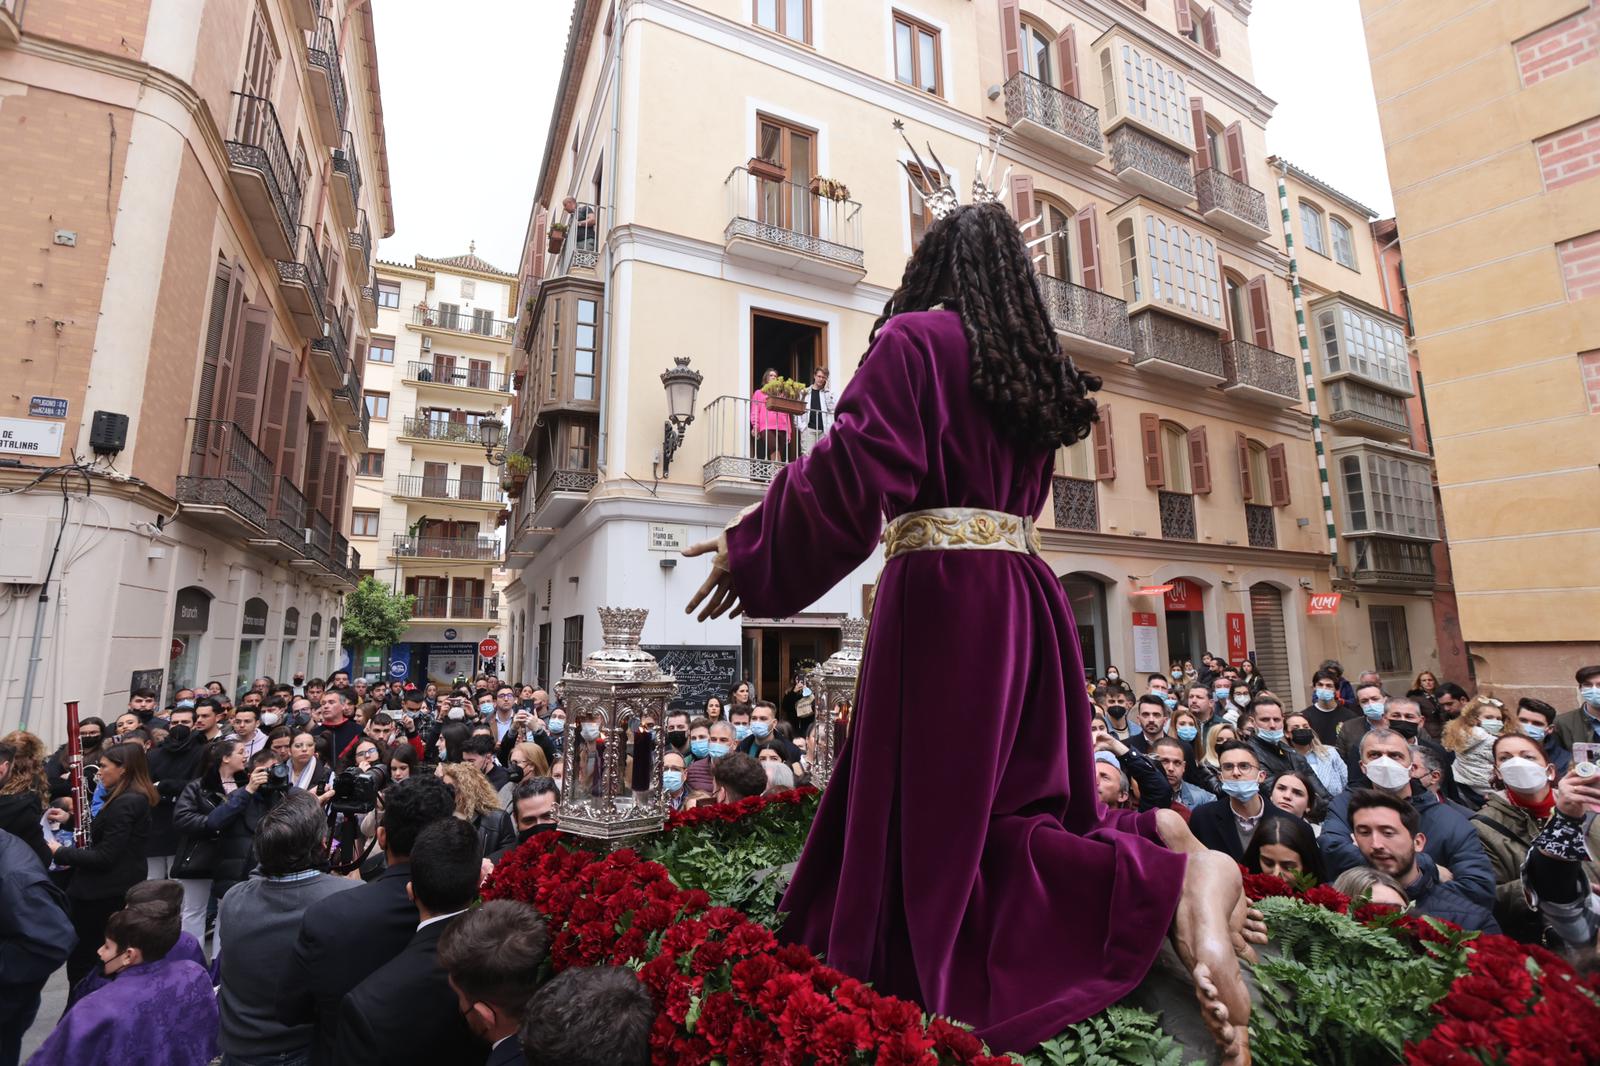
{"points": [[975, 263]]}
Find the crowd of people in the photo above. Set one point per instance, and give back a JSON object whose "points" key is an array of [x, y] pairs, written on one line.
{"points": [[1415, 795], [313, 851]]}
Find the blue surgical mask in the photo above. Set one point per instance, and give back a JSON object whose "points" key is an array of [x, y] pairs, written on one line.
{"points": [[1492, 726], [591, 730], [1220, 694], [1170, 700], [672, 780], [760, 729], [1534, 732], [1187, 732], [1177, 675], [486, 708], [184, 705], [1373, 711], [1271, 736], [699, 747], [1590, 694], [718, 749], [1326, 695], [1242, 790], [740, 732], [556, 725]]}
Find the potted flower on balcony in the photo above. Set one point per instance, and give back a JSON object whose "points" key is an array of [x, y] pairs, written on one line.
{"points": [[829, 189], [502, 517], [767, 169], [557, 238], [518, 467], [783, 394]]}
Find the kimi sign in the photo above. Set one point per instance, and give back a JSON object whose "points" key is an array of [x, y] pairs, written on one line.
{"points": [[1323, 603], [1237, 646]]}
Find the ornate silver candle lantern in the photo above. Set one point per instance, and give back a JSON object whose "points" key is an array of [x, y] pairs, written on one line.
{"points": [[616, 688], [833, 681]]}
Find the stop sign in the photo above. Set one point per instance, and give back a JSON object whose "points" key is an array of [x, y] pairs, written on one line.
{"points": [[488, 648]]}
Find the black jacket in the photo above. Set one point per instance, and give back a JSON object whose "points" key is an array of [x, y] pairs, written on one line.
{"points": [[173, 764], [406, 1012], [1154, 788], [496, 832], [342, 941], [1214, 826], [19, 815], [507, 1053], [199, 798], [114, 860], [1449, 900], [1279, 758], [35, 933]]}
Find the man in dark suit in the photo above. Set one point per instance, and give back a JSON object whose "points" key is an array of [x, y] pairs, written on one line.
{"points": [[492, 956], [479, 750], [406, 1011], [1227, 825], [346, 937]]}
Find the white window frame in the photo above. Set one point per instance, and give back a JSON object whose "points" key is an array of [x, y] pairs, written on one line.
{"points": [[1392, 496], [1154, 94], [1364, 346], [1344, 251], [1312, 230], [1183, 268]]}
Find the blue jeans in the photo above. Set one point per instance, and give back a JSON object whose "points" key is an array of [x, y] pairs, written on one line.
{"points": [[300, 1056]]}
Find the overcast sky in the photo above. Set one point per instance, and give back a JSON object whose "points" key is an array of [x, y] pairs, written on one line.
{"points": [[467, 98]]}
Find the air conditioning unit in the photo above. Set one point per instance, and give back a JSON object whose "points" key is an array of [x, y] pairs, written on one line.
{"points": [[427, 344]]}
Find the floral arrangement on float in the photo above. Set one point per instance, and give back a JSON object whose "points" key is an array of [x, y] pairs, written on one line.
{"points": [[692, 911]]}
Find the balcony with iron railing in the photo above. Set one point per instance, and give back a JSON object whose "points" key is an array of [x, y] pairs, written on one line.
{"points": [[319, 539], [1151, 165], [742, 458], [1261, 525], [339, 555], [330, 354], [1231, 205], [1045, 116], [427, 487], [11, 22], [1090, 322], [360, 240], [1174, 347], [580, 248], [446, 372], [794, 229], [560, 493], [369, 303], [288, 516], [476, 323], [447, 549], [305, 286], [1260, 374], [263, 175], [470, 608], [1177, 516], [229, 480], [1382, 562], [347, 181], [1077, 504], [441, 430], [348, 399], [1355, 407], [327, 82]]}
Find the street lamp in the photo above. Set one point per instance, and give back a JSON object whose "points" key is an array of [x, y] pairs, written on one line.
{"points": [[489, 430], [682, 385]]}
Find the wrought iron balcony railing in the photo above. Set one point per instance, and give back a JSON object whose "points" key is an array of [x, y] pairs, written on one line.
{"points": [[441, 429], [226, 470], [347, 166], [480, 549], [742, 449], [1030, 100], [453, 607], [255, 143], [482, 323], [305, 285], [334, 346], [1261, 525], [422, 486], [1383, 561], [1171, 345], [445, 371], [1177, 516], [361, 242], [1151, 165], [789, 216], [319, 538], [1085, 313], [579, 481], [1077, 504], [1226, 201], [1355, 406], [582, 245], [288, 515], [323, 53], [1250, 368]]}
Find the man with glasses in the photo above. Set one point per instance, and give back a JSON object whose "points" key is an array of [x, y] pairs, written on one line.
{"points": [[1227, 827]]}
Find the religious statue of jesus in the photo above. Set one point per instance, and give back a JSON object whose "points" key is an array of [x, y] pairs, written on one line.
{"points": [[983, 879]]}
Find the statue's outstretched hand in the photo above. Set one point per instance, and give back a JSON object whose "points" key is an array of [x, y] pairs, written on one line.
{"points": [[717, 592]]}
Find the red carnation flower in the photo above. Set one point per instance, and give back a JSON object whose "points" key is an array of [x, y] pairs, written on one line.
{"points": [[751, 975], [907, 1047], [950, 1039], [1328, 897], [840, 1037]]}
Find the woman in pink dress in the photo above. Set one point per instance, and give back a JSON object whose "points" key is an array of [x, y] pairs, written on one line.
{"points": [[996, 887], [769, 428]]}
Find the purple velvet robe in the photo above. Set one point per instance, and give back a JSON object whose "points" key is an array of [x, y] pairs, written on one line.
{"points": [[161, 1013], [961, 856], [187, 947]]}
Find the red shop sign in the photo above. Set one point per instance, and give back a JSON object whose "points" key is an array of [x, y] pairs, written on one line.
{"points": [[1184, 595], [1323, 602], [1237, 647]]}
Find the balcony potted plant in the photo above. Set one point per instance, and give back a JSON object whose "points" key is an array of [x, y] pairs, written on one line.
{"points": [[557, 238], [502, 517], [829, 189], [783, 394], [518, 467], [767, 169]]}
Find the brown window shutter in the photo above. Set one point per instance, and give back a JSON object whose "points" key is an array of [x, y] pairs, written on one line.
{"points": [[360, 361], [1208, 32], [1067, 53], [1105, 455], [275, 406], [1089, 245], [1150, 442], [329, 494], [291, 461], [1278, 472], [411, 586], [1246, 490], [316, 455], [250, 374], [1199, 461], [341, 481], [1022, 199], [216, 325], [1011, 36], [1233, 143], [1185, 19], [1202, 147], [1260, 312]]}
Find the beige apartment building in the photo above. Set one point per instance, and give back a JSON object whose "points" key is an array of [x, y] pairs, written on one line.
{"points": [[428, 501], [722, 185], [1491, 122], [191, 195]]}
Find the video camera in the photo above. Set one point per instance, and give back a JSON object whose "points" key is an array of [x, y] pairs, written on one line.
{"points": [[355, 791]]}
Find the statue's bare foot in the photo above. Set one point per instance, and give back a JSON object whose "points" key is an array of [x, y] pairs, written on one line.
{"points": [[1249, 928], [1204, 934]]}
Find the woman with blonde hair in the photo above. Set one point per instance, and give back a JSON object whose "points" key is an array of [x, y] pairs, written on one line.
{"points": [[1325, 762], [1210, 766], [1471, 736], [476, 802], [24, 791]]}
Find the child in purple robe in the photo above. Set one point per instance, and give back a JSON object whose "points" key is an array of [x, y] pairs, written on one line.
{"points": [[112, 1024]]}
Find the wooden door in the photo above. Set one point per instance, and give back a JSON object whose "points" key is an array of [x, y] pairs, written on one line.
{"points": [[435, 478], [787, 205]]}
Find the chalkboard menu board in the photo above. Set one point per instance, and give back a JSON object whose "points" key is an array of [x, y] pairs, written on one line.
{"points": [[701, 671], [150, 679]]}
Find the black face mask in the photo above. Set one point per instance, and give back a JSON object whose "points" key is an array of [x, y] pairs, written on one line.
{"points": [[524, 835], [1301, 736], [514, 772], [1405, 729], [677, 738], [178, 733]]}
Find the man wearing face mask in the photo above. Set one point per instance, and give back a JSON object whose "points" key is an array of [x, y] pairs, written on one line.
{"points": [[1403, 715], [678, 732], [739, 717], [1329, 714], [1582, 726], [1227, 827], [1536, 719], [173, 764], [1273, 752], [1120, 724], [1511, 818], [1451, 844], [1352, 727], [719, 742]]}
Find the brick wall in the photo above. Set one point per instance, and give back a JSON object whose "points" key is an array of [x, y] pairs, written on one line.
{"points": [[1570, 155], [1580, 265], [1589, 364], [115, 26], [1558, 48]]}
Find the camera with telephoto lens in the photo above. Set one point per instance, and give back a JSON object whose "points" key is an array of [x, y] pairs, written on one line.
{"points": [[278, 781], [355, 791]]}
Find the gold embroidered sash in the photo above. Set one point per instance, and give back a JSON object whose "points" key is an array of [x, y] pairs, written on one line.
{"points": [[959, 529]]}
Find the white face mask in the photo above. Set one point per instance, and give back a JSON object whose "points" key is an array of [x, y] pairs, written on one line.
{"points": [[456, 714], [1524, 775], [1388, 774], [269, 720]]}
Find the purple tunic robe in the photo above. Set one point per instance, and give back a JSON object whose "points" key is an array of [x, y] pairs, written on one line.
{"points": [[160, 1013], [961, 856]]}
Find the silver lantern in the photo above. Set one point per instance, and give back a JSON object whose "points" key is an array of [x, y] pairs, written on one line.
{"points": [[834, 680], [616, 688]]}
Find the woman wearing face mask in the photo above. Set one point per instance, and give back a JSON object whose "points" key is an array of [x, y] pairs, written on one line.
{"points": [[1286, 848], [556, 727], [1251, 678], [1210, 767], [447, 749], [1325, 762], [585, 752], [195, 865], [1471, 736]]}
